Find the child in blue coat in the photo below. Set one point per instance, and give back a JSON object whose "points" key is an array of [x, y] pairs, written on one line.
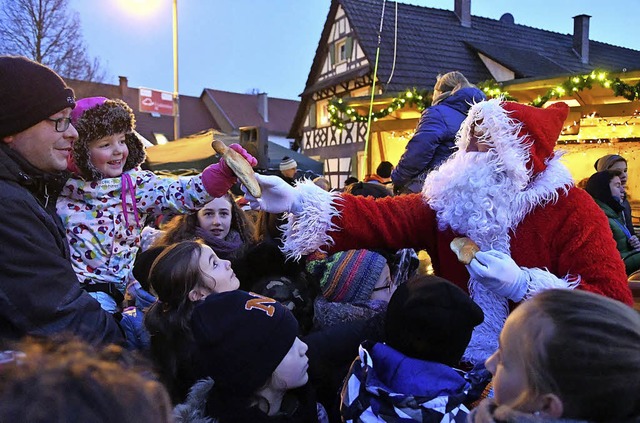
{"points": [[413, 377]]}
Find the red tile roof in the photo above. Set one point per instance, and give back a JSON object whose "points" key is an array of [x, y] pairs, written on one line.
{"points": [[242, 110]]}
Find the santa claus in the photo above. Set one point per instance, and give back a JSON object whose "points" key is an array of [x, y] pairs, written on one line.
{"points": [[504, 188]]}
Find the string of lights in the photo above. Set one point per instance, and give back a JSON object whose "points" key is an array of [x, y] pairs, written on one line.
{"points": [[340, 113]]}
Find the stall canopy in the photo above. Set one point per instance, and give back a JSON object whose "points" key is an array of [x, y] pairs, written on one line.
{"points": [[195, 152]]}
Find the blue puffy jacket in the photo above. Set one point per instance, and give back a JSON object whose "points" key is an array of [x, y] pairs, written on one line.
{"points": [[384, 385], [434, 139]]}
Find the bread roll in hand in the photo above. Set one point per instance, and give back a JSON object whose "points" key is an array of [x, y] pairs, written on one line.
{"points": [[240, 166], [464, 248]]}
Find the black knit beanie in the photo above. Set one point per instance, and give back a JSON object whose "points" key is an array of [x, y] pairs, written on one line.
{"points": [[431, 319], [31, 93], [241, 338]]}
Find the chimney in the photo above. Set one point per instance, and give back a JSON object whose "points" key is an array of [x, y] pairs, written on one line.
{"points": [[263, 106], [124, 85], [462, 9], [581, 37]]}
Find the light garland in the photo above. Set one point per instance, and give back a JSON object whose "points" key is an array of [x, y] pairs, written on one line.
{"points": [[573, 128], [340, 114]]}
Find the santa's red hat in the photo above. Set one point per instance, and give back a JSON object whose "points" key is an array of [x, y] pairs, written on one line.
{"points": [[540, 128]]}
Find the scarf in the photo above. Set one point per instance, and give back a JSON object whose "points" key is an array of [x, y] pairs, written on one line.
{"points": [[224, 248]]}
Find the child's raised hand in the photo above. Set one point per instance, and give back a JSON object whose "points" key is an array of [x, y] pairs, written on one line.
{"points": [[218, 178], [248, 157]]}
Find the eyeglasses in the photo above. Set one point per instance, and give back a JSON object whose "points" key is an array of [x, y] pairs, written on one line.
{"points": [[380, 288], [62, 124], [387, 286]]}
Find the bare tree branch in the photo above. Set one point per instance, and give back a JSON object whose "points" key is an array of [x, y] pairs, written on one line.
{"points": [[48, 32]]}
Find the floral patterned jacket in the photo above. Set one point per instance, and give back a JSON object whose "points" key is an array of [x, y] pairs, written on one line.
{"points": [[104, 219]]}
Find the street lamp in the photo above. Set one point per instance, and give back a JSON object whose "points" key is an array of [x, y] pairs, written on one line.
{"points": [[176, 98]]}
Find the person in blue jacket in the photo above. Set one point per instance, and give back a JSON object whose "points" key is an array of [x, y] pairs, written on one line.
{"points": [[415, 376], [434, 139]]}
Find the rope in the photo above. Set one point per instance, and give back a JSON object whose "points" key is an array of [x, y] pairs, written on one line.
{"points": [[373, 85], [395, 45]]}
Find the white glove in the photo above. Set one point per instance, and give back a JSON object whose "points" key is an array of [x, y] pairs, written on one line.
{"points": [[498, 272], [277, 195]]}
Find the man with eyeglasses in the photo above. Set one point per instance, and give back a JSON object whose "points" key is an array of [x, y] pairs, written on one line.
{"points": [[39, 292]]}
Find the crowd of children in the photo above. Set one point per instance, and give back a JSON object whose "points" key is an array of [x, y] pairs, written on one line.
{"points": [[225, 328]]}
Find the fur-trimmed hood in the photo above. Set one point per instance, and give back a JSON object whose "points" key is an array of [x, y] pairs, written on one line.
{"points": [[98, 117], [193, 410]]}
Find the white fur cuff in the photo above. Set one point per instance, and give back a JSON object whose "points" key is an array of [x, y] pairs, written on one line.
{"points": [[306, 228], [539, 280]]}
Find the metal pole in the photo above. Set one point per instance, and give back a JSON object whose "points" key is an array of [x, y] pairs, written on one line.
{"points": [[176, 98]]}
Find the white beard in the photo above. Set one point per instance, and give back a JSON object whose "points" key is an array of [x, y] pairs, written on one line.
{"points": [[472, 194]]}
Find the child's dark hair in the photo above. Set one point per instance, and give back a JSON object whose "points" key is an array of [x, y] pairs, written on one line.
{"points": [[68, 380], [589, 357], [174, 273], [384, 169]]}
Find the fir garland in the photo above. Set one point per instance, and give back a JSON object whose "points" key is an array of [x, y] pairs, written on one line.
{"points": [[340, 113]]}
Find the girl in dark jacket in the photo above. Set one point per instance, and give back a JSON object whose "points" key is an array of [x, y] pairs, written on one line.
{"points": [[434, 139], [606, 189], [221, 224], [182, 275], [619, 163]]}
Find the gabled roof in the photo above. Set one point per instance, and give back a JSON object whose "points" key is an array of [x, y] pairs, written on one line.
{"points": [[432, 41], [243, 110], [524, 63], [194, 116]]}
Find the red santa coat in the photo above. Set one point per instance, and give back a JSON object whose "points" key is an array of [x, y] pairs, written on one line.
{"points": [[569, 238]]}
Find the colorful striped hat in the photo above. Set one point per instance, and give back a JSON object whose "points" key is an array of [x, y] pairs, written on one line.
{"points": [[348, 276]]}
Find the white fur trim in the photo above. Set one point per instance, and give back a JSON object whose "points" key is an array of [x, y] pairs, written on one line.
{"points": [[484, 339], [544, 189], [306, 228], [501, 132], [539, 280]]}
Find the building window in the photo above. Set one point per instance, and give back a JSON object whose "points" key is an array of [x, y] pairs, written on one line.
{"points": [[340, 51], [322, 117]]}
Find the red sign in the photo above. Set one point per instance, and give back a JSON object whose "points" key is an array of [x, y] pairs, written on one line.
{"points": [[154, 101]]}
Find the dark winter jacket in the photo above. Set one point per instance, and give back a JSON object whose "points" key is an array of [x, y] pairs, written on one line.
{"points": [[298, 406], [39, 291], [385, 385], [434, 139]]}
